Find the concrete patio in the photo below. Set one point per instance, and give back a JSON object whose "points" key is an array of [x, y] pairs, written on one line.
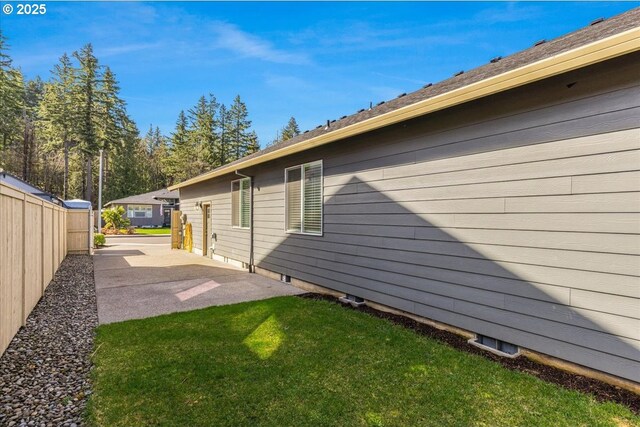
{"points": [[138, 277]]}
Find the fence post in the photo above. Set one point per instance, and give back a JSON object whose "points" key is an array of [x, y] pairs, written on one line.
{"points": [[43, 287], [65, 218], [53, 261], [90, 220], [24, 259]]}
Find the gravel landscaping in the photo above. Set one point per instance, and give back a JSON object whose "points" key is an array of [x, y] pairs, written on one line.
{"points": [[44, 374]]}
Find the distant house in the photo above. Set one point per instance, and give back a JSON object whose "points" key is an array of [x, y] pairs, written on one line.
{"points": [[149, 209], [502, 201]]}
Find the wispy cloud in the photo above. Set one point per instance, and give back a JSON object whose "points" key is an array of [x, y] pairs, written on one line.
{"points": [[361, 37], [126, 48], [230, 37], [511, 12]]}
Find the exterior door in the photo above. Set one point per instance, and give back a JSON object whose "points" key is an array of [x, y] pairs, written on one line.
{"points": [[206, 231], [176, 230]]}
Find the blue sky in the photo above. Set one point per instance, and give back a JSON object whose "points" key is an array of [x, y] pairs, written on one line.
{"points": [[314, 61]]}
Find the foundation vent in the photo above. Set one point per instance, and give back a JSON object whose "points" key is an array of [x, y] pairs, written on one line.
{"points": [[495, 346], [285, 278], [353, 300]]}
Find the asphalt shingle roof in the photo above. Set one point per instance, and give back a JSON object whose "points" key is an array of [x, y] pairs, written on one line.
{"points": [[151, 198], [598, 30]]}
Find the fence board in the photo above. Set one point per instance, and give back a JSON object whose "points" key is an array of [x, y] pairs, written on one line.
{"points": [[33, 260]]}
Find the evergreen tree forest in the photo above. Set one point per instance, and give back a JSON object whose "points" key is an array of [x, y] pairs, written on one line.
{"points": [[51, 132]]}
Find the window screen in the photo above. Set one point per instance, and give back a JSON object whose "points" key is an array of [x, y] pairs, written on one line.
{"points": [[303, 188], [241, 203], [245, 203]]}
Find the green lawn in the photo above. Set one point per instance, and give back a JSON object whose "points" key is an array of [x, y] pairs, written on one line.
{"points": [[166, 230], [297, 362]]}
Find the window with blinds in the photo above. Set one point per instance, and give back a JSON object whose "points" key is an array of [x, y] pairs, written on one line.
{"points": [[139, 211], [303, 194], [241, 203]]}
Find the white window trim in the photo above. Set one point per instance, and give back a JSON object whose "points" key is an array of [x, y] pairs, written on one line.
{"points": [[239, 227], [131, 212], [286, 219]]}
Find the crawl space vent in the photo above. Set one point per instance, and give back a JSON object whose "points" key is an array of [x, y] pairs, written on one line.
{"points": [[495, 346], [352, 299]]}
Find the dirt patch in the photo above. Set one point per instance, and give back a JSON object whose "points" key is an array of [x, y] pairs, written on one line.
{"points": [[603, 392]]}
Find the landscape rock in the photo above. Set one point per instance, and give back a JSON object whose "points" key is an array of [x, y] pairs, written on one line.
{"points": [[44, 374]]}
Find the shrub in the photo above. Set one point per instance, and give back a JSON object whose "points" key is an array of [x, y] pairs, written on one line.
{"points": [[99, 240], [114, 219], [110, 231]]}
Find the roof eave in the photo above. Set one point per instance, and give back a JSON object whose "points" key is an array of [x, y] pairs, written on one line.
{"points": [[608, 48]]}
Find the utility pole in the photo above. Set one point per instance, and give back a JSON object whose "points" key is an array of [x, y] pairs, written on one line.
{"points": [[100, 194]]}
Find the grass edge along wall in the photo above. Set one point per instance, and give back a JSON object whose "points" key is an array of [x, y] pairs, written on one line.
{"points": [[514, 216]]}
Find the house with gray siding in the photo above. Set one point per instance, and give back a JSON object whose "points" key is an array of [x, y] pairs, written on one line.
{"points": [[503, 202], [151, 209]]}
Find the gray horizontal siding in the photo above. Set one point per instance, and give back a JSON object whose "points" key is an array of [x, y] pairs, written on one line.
{"points": [[231, 242], [515, 216], [194, 217]]}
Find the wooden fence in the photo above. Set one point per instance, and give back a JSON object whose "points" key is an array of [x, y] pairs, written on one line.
{"points": [[33, 243], [79, 235]]}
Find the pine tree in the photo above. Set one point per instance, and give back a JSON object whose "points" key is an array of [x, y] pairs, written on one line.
{"points": [[58, 111], [111, 111], [161, 154], [253, 145], [13, 128], [202, 123], [88, 79], [241, 139], [225, 132], [291, 129], [32, 97], [127, 165], [12, 105], [155, 147], [178, 163], [287, 132]]}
